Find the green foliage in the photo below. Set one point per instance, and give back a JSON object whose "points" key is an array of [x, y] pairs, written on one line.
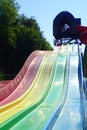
{"points": [[8, 17], [29, 38], [19, 35]]}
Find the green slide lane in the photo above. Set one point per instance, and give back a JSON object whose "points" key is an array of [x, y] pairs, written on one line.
{"points": [[41, 114]]}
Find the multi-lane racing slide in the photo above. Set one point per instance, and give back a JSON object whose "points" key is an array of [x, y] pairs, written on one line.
{"points": [[45, 94]]}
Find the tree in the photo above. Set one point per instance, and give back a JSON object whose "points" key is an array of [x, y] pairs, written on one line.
{"points": [[19, 35], [29, 38], [8, 17]]}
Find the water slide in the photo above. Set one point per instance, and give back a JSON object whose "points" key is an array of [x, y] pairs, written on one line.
{"points": [[45, 100]]}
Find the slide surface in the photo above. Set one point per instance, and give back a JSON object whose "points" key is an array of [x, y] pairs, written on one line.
{"points": [[48, 100], [54, 98], [24, 84], [34, 94], [7, 89]]}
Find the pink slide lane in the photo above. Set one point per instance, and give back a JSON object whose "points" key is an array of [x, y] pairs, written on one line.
{"points": [[19, 81], [26, 81], [3, 83]]}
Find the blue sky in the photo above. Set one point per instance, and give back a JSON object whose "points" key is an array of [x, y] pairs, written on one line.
{"points": [[44, 11]]}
